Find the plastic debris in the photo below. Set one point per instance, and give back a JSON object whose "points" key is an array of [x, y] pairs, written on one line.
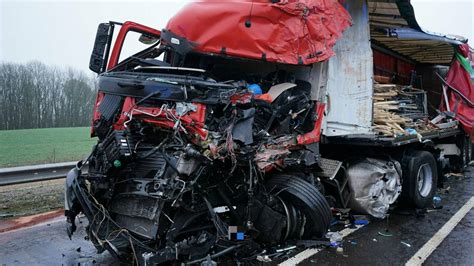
{"points": [[353, 242], [412, 131], [361, 222], [437, 202], [285, 249], [455, 174], [264, 258], [444, 190], [374, 239], [339, 250], [406, 244], [385, 234], [334, 238], [255, 89]]}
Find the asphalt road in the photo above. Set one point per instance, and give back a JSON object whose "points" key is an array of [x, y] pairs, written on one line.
{"points": [[48, 244], [369, 247]]}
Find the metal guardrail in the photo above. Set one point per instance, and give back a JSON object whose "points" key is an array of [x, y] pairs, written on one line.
{"points": [[34, 173]]}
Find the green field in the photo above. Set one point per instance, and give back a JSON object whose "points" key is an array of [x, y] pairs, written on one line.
{"points": [[45, 145]]}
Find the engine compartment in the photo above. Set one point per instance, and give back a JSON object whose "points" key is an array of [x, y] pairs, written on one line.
{"points": [[187, 167]]}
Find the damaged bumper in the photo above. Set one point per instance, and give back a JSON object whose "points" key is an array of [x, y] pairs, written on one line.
{"points": [[71, 202]]}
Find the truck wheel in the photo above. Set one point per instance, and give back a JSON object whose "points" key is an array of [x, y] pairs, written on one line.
{"points": [[307, 211], [466, 153], [459, 163], [420, 177]]}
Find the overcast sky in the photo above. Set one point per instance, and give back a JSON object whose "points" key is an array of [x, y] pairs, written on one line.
{"points": [[62, 33]]}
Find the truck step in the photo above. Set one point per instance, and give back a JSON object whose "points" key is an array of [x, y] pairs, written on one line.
{"points": [[329, 168], [334, 175]]}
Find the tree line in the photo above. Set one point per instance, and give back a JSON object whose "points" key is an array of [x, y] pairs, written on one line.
{"points": [[34, 95]]}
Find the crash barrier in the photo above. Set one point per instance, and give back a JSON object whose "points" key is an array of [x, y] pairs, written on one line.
{"points": [[34, 173]]}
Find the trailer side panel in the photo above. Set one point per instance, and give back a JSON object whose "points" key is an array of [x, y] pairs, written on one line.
{"points": [[350, 75]]}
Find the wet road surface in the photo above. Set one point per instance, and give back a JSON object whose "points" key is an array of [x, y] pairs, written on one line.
{"points": [[367, 246], [48, 243]]}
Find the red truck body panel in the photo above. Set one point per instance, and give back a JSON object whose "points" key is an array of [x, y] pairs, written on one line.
{"points": [[290, 32], [461, 96]]}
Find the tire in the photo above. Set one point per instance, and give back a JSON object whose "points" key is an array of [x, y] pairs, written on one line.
{"points": [[466, 152], [459, 162], [420, 177], [299, 193]]}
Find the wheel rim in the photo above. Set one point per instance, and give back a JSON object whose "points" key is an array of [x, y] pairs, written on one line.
{"points": [[425, 180], [288, 220], [295, 220]]}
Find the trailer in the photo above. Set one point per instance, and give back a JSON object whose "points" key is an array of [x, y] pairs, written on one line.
{"points": [[236, 132]]}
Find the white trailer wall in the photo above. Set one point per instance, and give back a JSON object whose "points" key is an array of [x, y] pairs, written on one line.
{"points": [[350, 73]]}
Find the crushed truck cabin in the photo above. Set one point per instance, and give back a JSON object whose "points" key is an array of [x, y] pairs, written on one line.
{"points": [[232, 135]]}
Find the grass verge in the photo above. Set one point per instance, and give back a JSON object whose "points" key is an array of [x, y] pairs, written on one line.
{"points": [[31, 198], [44, 145]]}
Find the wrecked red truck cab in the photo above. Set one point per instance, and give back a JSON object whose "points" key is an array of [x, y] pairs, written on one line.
{"points": [[244, 125]]}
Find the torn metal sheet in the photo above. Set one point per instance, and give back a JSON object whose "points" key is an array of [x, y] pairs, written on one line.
{"points": [[375, 184], [242, 129]]}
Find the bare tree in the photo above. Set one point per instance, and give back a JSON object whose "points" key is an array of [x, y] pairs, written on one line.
{"points": [[34, 95]]}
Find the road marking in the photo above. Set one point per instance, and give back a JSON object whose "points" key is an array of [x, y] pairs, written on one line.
{"points": [[298, 258], [430, 246]]}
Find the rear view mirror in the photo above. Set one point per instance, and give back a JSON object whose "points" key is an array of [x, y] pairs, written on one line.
{"points": [[147, 39], [99, 54]]}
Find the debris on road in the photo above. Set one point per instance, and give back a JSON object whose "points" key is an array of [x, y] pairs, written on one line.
{"points": [[444, 190], [361, 222], [353, 242], [437, 203], [335, 238], [385, 234], [406, 244], [264, 258]]}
